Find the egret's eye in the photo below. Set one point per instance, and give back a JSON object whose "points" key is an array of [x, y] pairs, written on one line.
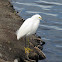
{"points": [[40, 17]]}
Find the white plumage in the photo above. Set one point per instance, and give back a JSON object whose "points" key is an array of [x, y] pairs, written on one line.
{"points": [[29, 26]]}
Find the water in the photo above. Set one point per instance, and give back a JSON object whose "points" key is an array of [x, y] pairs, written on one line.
{"points": [[51, 31]]}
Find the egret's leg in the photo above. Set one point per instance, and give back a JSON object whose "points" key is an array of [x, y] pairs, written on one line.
{"points": [[25, 41], [28, 41], [27, 49]]}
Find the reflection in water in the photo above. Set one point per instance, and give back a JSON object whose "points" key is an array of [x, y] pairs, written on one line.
{"points": [[51, 31], [49, 3], [52, 27], [32, 4], [42, 13]]}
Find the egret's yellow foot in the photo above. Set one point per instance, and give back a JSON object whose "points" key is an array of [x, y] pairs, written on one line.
{"points": [[27, 50]]}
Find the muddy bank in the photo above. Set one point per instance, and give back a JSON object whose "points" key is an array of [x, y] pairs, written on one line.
{"points": [[10, 47]]}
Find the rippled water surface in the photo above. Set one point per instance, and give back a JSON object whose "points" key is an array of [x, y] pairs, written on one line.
{"points": [[51, 30]]}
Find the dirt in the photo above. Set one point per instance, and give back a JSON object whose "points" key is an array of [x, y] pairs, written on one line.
{"points": [[10, 47]]}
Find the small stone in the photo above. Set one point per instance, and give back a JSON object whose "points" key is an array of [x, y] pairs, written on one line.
{"points": [[16, 60], [9, 42], [9, 48]]}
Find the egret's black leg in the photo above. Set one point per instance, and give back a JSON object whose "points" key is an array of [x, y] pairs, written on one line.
{"points": [[25, 41], [28, 42]]}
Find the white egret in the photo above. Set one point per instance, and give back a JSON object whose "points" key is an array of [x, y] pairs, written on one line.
{"points": [[29, 26]]}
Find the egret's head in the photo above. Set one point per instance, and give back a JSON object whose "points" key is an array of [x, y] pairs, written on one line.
{"points": [[37, 16]]}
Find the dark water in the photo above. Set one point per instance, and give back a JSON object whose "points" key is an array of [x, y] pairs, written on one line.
{"points": [[51, 31]]}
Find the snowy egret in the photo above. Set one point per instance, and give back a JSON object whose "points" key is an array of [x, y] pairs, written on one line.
{"points": [[29, 26]]}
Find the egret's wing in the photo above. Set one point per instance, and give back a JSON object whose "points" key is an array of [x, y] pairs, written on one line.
{"points": [[24, 29]]}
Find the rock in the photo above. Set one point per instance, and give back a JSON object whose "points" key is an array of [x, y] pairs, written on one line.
{"points": [[10, 47]]}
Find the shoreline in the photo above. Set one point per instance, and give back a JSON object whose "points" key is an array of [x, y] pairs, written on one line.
{"points": [[10, 47]]}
